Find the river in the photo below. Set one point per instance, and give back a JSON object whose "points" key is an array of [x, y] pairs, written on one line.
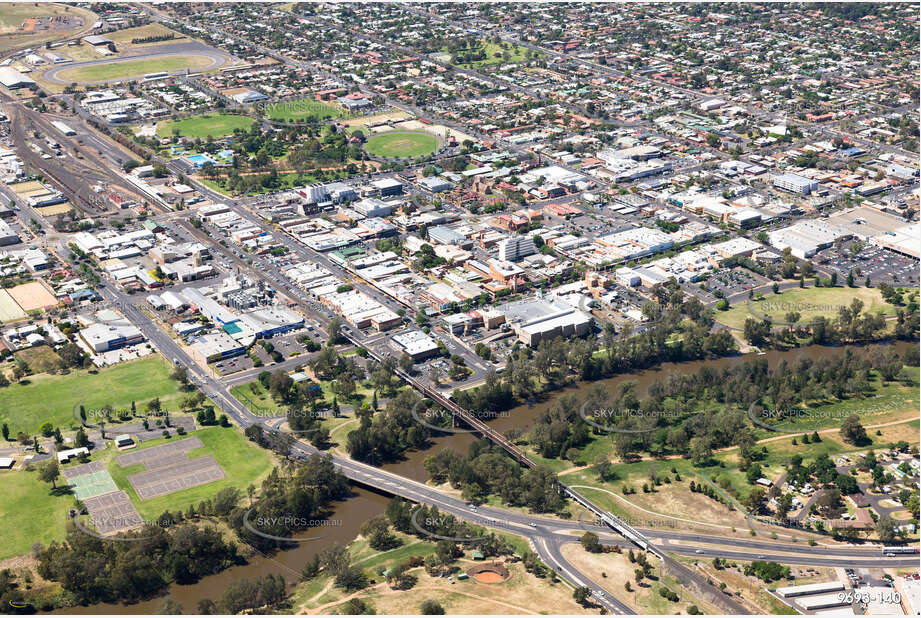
{"points": [[365, 504]]}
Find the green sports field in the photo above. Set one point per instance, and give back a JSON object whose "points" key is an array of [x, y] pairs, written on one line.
{"points": [[52, 398], [303, 110], [125, 69], [402, 144], [215, 125]]}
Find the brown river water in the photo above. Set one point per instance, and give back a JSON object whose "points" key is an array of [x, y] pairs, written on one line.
{"points": [[365, 504]]}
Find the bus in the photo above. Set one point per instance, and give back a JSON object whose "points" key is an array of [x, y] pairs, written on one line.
{"points": [[896, 550]]}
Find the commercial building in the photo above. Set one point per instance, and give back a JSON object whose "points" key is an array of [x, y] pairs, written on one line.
{"points": [[416, 344], [820, 588], [539, 320], [806, 238], [388, 186], [372, 207], [795, 184], [104, 337], [13, 79], [516, 247], [218, 346], [7, 235]]}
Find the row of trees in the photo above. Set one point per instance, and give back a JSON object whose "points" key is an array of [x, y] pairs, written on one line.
{"points": [[488, 470]]}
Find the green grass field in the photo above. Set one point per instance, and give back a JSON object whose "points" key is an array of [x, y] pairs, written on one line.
{"points": [[125, 69], [495, 54], [402, 144], [140, 32], [303, 109], [215, 125], [808, 302], [256, 399], [243, 461], [52, 398], [30, 512]]}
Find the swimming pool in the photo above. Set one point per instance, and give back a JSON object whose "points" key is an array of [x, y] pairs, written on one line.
{"points": [[200, 159]]}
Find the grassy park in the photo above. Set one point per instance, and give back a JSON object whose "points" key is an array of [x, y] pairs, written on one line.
{"points": [[46, 397], [809, 303], [402, 144], [125, 69], [215, 125], [301, 110], [487, 53]]}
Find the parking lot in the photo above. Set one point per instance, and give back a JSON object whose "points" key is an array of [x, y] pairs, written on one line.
{"points": [[726, 282], [881, 265]]}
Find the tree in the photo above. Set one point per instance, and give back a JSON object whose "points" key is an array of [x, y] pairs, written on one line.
{"points": [[852, 431], [50, 473], [334, 330], [581, 595], [590, 542], [406, 363], [206, 607], [170, 607], [6, 432], [885, 528], [755, 498], [430, 607], [377, 531]]}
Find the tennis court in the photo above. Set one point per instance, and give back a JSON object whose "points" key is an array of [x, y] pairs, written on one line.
{"points": [[162, 480], [93, 484], [112, 512], [87, 468], [170, 449]]}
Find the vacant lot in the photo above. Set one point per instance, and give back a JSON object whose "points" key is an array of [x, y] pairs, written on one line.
{"points": [[809, 303], [125, 69], [215, 125], [52, 398], [646, 599], [302, 110], [39, 359], [402, 144]]}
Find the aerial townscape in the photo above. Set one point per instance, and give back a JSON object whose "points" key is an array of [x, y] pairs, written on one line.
{"points": [[474, 308]]}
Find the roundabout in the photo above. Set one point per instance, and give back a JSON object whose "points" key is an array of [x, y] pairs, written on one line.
{"points": [[402, 144]]}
